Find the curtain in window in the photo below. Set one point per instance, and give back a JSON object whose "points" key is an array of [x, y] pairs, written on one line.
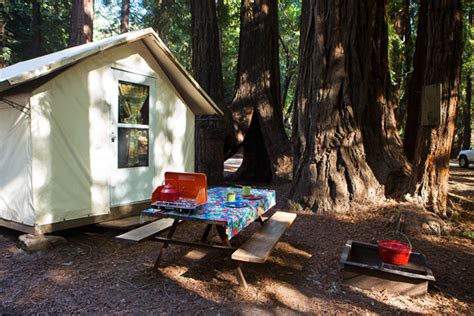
{"points": [[132, 98]]}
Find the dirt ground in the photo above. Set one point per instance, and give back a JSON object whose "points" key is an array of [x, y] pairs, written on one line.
{"points": [[94, 273]]}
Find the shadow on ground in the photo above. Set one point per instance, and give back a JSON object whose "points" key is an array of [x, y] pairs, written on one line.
{"points": [[96, 274]]}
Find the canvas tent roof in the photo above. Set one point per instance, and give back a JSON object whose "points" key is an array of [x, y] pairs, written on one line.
{"points": [[29, 70]]}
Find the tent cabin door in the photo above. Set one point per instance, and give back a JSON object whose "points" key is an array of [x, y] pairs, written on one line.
{"points": [[133, 118]]}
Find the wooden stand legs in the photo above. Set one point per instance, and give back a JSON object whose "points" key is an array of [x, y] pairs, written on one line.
{"points": [[206, 232], [238, 270], [165, 244]]}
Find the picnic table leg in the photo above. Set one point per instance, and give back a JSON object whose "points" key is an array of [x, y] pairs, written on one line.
{"points": [[206, 232], [238, 270], [261, 220], [165, 244]]}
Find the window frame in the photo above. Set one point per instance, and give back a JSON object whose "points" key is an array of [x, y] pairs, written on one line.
{"points": [[132, 126]]}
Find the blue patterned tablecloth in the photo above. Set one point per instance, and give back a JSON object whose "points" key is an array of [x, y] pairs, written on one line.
{"points": [[215, 209]]}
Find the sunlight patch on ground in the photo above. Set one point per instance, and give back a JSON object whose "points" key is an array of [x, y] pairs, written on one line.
{"points": [[288, 296], [59, 275], [287, 256], [12, 249], [406, 303]]}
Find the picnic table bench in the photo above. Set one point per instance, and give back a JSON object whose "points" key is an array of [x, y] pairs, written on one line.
{"points": [[258, 247], [228, 223], [147, 231]]}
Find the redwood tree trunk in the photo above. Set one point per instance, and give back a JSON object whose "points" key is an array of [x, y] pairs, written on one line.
{"points": [[466, 144], [372, 100], [206, 62], [439, 33], [258, 94], [414, 90], [36, 42], [125, 16], [334, 75], [82, 17]]}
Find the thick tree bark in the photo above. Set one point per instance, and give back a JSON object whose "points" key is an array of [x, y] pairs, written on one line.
{"points": [[439, 33], [258, 94], [36, 48], [206, 62], [373, 104], [414, 91], [125, 16], [82, 17], [466, 143], [333, 88]]}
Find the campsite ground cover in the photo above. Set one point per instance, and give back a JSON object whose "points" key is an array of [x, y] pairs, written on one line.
{"points": [[94, 273]]}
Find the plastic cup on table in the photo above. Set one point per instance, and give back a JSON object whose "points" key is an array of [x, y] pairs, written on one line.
{"points": [[230, 197], [246, 190]]}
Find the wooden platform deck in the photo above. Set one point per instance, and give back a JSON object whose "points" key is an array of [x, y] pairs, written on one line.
{"points": [[125, 223]]}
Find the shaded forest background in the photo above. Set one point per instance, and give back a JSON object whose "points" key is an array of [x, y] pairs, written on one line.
{"points": [[37, 27]]}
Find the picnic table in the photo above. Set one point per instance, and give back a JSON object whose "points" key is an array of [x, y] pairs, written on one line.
{"points": [[228, 221]]}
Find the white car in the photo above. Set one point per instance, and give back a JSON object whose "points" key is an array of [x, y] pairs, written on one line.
{"points": [[465, 157]]}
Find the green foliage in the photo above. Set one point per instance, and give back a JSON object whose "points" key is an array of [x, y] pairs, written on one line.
{"points": [[228, 16], [396, 49], [289, 19], [400, 54], [107, 17], [170, 18], [54, 28], [172, 21], [466, 72], [468, 234], [18, 30]]}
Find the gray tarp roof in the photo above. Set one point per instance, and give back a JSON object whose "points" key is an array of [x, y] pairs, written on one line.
{"points": [[194, 96]]}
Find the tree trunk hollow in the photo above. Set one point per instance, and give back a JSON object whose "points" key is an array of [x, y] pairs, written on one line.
{"points": [[258, 93]]}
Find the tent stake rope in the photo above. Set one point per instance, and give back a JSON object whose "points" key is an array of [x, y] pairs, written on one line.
{"points": [[16, 106]]}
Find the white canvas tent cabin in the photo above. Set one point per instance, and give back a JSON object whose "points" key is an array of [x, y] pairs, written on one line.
{"points": [[87, 133]]}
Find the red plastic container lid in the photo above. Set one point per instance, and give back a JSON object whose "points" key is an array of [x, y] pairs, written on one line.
{"points": [[395, 245]]}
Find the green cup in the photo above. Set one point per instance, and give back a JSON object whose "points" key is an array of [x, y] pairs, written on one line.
{"points": [[230, 197], [246, 190]]}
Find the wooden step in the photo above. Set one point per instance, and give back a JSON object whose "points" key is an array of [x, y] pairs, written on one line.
{"points": [[147, 231], [258, 247], [122, 223]]}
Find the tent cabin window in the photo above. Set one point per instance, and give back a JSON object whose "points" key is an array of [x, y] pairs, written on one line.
{"points": [[133, 124]]}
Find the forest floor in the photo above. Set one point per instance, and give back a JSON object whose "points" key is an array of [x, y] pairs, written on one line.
{"points": [[94, 273]]}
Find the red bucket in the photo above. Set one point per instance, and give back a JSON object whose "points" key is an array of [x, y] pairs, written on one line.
{"points": [[394, 252]]}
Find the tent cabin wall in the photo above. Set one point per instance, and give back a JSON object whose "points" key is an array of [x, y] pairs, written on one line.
{"points": [[73, 174], [16, 199]]}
